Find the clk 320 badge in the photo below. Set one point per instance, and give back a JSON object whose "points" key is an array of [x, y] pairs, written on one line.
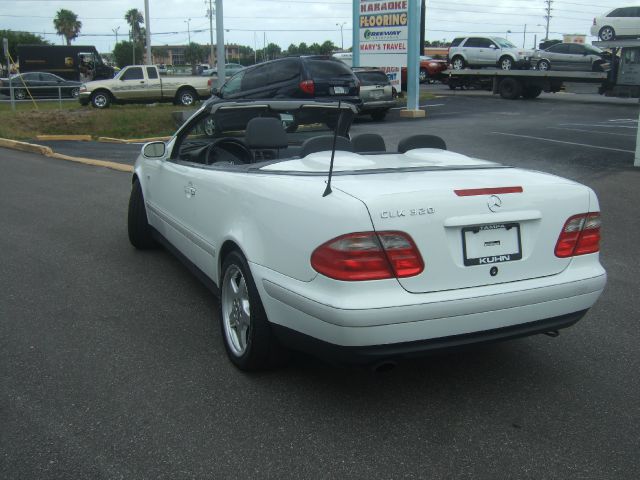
{"points": [[412, 212]]}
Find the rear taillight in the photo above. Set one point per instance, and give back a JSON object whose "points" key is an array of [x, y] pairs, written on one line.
{"points": [[579, 236], [307, 86], [209, 82], [368, 256]]}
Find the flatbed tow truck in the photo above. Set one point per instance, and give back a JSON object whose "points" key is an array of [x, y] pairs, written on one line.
{"points": [[622, 78]]}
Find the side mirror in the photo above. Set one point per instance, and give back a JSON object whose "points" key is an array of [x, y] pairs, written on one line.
{"points": [[154, 149], [492, 46], [215, 91]]}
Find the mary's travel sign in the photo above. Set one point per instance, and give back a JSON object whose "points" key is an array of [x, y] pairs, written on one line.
{"points": [[384, 34]]}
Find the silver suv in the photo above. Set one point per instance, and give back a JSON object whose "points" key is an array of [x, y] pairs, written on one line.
{"points": [[488, 52]]}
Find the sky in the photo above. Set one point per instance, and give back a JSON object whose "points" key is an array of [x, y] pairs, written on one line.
{"points": [[251, 22]]}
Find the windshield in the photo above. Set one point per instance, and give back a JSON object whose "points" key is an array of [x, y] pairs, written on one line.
{"points": [[503, 42]]}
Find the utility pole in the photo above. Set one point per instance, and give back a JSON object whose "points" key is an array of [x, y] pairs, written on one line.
{"points": [[547, 17], [147, 30], [187, 21], [220, 43], [341, 25], [210, 14], [524, 37], [115, 30], [133, 47]]}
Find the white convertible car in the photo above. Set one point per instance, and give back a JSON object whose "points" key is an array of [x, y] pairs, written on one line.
{"points": [[330, 244]]}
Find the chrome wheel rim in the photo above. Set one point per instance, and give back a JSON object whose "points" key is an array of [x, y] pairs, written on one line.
{"points": [[186, 98], [20, 95], [458, 64], [75, 92], [100, 101], [606, 34], [422, 75], [543, 66], [236, 310], [506, 64]]}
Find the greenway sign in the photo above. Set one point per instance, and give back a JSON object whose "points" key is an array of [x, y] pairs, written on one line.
{"points": [[384, 30]]}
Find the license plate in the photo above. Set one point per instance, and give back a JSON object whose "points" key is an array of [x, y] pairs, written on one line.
{"points": [[377, 93], [488, 244], [340, 90]]}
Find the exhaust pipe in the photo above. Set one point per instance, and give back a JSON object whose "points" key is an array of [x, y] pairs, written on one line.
{"points": [[552, 333], [384, 366]]}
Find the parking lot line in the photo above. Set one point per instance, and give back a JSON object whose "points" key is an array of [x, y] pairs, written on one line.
{"points": [[564, 142], [599, 125], [421, 106], [593, 131]]}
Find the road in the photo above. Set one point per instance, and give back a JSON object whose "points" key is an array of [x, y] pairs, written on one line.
{"points": [[112, 363]]}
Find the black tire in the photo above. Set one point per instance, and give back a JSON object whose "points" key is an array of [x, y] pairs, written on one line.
{"points": [[543, 65], [423, 75], [378, 115], [510, 88], [607, 33], [140, 233], [529, 93], [186, 97], [458, 63], [19, 94], [74, 92], [261, 350], [505, 63], [101, 99]]}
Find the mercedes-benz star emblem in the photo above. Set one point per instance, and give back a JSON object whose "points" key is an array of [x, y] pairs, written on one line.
{"points": [[494, 203]]}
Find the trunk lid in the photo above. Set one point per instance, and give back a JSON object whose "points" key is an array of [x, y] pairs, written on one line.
{"points": [[462, 238]]}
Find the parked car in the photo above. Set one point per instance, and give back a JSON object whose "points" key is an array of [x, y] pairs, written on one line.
{"points": [[616, 23], [569, 56], [429, 69], [488, 52], [394, 255], [308, 77], [142, 84], [230, 69], [376, 92], [39, 85]]}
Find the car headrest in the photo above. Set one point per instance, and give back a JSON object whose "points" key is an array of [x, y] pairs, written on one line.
{"points": [[368, 142], [265, 132], [421, 141], [324, 143]]}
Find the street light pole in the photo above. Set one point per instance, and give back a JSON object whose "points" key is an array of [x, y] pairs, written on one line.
{"points": [[341, 25], [115, 30], [211, 53], [147, 30]]}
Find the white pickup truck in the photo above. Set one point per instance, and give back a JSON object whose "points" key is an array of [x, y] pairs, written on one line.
{"points": [[143, 84]]}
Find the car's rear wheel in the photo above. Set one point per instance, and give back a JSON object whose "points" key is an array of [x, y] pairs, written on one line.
{"points": [[423, 76], [246, 332], [100, 99], [510, 89], [20, 94], [186, 97], [543, 65], [378, 115], [140, 233], [506, 63], [607, 33], [458, 63], [74, 92]]}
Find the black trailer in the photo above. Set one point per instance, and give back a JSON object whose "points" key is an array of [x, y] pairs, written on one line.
{"points": [[72, 62], [622, 78]]}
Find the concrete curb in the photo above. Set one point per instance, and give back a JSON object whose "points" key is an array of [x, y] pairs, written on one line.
{"points": [[132, 140], [48, 152], [77, 138]]}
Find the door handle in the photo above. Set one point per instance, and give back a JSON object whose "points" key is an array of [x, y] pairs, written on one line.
{"points": [[190, 190], [141, 81]]}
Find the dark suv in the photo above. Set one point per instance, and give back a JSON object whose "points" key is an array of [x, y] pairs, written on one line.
{"points": [[306, 77]]}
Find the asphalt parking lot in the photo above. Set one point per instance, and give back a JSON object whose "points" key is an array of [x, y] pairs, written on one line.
{"points": [[112, 364]]}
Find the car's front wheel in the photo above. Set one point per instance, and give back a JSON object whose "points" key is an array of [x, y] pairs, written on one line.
{"points": [[246, 332], [20, 94], [140, 233], [186, 97], [74, 92], [543, 65], [423, 76], [100, 99], [607, 33], [510, 89], [506, 63]]}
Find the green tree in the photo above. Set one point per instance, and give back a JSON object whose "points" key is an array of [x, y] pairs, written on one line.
{"points": [[327, 48], [135, 19], [193, 54], [123, 53], [292, 49], [67, 24], [314, 49], [273, 51], [303, 49], [18, 38], [247, 55]]}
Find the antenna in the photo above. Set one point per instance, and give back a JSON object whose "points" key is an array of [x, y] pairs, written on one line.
{"points": [[327, 190]]}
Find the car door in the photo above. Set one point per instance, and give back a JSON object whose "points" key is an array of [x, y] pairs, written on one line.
{"points": [[578, 58], [488, 52], [558, 56], [52, 85], [154, 84], [131, 85], [469, 48]]}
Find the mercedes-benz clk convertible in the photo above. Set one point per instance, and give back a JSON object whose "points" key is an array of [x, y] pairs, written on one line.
{"points": [[326, 242]]}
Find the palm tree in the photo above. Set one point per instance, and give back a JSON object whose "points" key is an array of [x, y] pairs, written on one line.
{"points": [[134, 18], [67, 24]]}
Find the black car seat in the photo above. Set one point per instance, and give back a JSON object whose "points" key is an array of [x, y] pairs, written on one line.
{"points": [[421, 141], [265, 136], [368, 142], [324, 143]]}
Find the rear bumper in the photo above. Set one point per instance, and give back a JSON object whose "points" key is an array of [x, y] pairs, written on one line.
{"points": [[364, 355], [377, 105]]}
